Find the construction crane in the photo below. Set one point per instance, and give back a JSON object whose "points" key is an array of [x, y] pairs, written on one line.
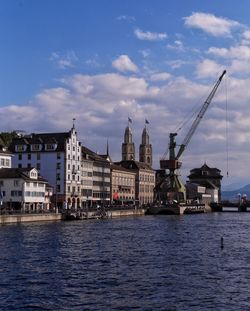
{"points": [[176, 187]]}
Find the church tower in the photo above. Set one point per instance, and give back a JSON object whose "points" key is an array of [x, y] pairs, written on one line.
{"points": [[145, 148], [128, 147]]}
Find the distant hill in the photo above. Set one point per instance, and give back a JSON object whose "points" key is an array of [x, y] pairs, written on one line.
{"points": [[233, 194]]}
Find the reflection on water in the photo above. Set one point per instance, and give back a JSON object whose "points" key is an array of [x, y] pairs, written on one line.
{"points": [[143, 263]]}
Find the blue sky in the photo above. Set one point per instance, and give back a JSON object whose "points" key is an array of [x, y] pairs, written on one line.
{"points": [[102, 61]]}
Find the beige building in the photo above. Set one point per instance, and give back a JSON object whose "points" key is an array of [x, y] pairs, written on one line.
{"points": [[122, 185], [144, 180]]}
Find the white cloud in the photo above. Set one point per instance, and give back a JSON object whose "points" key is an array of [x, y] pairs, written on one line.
{"points": [[65, 60], [160, 76], [208, 68], [126, 18], [209, 23], [246, 34], [124, 64], [149, 36], [178, 46], [101, 104], [178, 63], [237, 52]]}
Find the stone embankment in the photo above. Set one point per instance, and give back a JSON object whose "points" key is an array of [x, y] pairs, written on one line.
{"points": [[39, 217], [21, 218]]}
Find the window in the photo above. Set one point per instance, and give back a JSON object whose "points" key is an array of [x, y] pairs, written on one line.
{"points": [[19, 165], [20, 148], [2, 162], [19, 157], [58, 156], [50, 146], [58, 165], [16, 183], [29, 165], [58, 188], [68, 188], [58, 176], [38, 156], [38, 166], [16, 193], [35, 147], [68, 166], [1, 183], [29, 156], [7, 162]]}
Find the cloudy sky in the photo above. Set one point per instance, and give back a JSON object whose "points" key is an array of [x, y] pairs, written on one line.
{"points": [[104, 61]]}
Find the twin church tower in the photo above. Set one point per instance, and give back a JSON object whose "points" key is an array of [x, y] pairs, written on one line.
{"points": [[128, 147]]}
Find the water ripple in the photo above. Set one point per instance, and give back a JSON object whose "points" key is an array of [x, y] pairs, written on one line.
{"points": [[145, 263]]}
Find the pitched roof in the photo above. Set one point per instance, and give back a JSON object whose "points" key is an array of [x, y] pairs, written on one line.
{"points": [[210, 171], [42, 138], [10, 173], [135, 165], [92, 155], [120, 168]]}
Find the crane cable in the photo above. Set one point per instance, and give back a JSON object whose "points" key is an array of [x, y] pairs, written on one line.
{"points": [[227, 157]]}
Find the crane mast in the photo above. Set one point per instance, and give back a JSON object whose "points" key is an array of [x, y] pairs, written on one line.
{"points": [[173, 163]]}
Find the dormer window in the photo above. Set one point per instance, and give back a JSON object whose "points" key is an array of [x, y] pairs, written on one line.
{"points": [[36, 147], [50, 146], [33, 174], [20, 148]]}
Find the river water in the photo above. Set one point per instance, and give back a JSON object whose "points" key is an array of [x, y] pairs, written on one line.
{"points": [[142, 263]]}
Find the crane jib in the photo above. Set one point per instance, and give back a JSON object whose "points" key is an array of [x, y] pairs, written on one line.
{"points": [[199, 116]]}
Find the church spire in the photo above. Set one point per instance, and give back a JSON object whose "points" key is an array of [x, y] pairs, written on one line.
{"points": [[128, 147], [145, 147]]}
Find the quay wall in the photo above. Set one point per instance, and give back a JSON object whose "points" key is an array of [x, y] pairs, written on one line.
{"points": [[127, 212], [21, 218]]}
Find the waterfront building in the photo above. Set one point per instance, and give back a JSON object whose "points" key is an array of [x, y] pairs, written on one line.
{"points": [[5, 156], [207, 177], [122, 185], [86, 177], [101, 177], [57, 157], [23, 189], [145, 151], [144, 180]]}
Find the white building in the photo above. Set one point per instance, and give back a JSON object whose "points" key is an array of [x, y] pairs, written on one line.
{"points": [[5, 158], [23, 189], [57, 157]]}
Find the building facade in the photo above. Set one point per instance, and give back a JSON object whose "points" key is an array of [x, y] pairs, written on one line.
{"points": [[5, 157], [144, 180], [208, 177], [57, 157], [100, 177], [23, 189], [122, 185]]}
